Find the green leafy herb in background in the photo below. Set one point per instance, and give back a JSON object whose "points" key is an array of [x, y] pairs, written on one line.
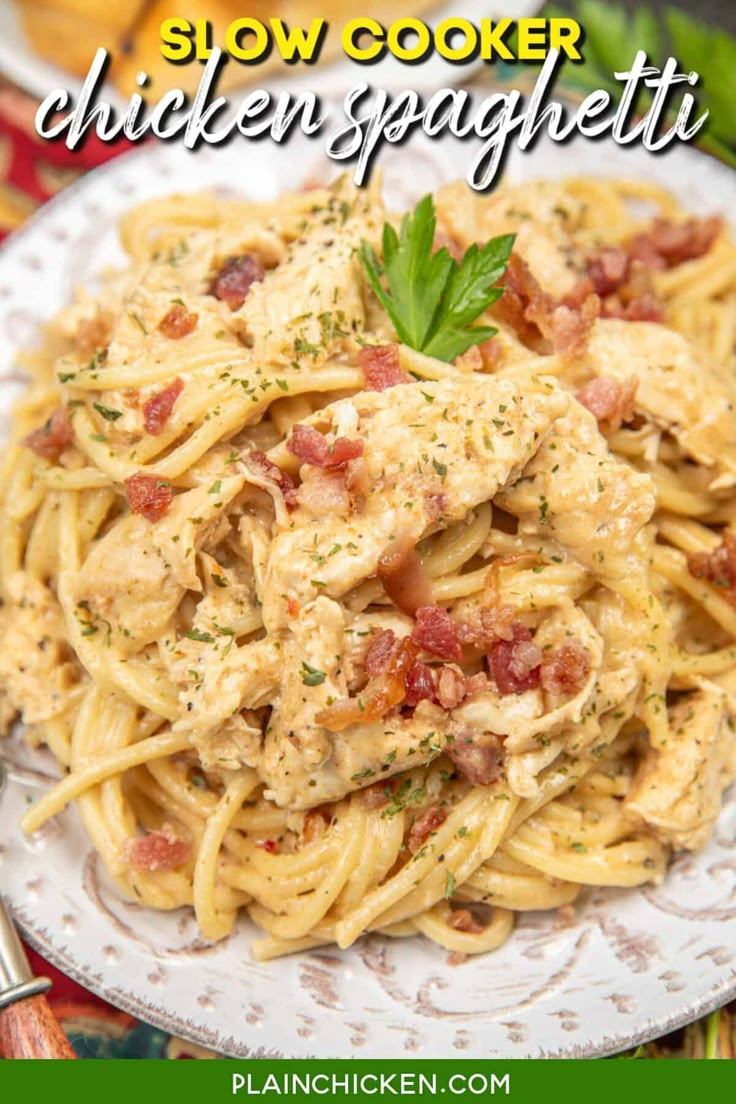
{"points": [[613, 35], [431, 299]]}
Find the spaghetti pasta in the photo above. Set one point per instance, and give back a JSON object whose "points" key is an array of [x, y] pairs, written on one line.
{"points": [[348, 638]]}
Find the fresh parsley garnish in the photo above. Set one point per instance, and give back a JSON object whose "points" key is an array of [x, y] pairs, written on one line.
{"points": [[449, 884], [431, 299], [202, 637], [311, 676], [107, 412]]}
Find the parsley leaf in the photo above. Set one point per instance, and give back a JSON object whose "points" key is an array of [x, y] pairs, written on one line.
{"points": [[311, 676], [449, 884], [431, 299], [107, 412]]}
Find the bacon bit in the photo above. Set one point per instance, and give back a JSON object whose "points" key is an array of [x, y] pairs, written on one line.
{"points": [[403, 577], [419, 684], [94, 333], [609, 400], [470, 361], [381, 368], [268, 845], [311, 447], [568, 328], [435, 632], [50, 439], [457, 958], [475, 684], [324, 492], [232, 282], [719, 566], [316, 823], [379, 696], [533, 313], [667, 244], [565, 670], [463, 920], [479, 763], [178, 322], [642, 308], [565, 916], [516, 664], [377, 795], [131, 397], [149, 495], [485, 625], [272, 471], [423, 827], [357, 477], [292, 607], [157, 410], [451, 686], [157, 851], [608, 268], [444, 240], [491, 352], [380, 649]]}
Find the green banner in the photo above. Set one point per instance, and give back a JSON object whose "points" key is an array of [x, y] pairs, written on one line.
{"points": [[268, 1081]]}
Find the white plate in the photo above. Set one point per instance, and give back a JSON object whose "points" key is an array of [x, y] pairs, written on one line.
{"points": [[21, 64], [634, 964]]}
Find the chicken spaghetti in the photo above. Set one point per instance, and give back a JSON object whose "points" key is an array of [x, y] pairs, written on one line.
{"points": [[352, 635]]}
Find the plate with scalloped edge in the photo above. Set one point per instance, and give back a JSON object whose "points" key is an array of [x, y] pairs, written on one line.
{"points": [[633, 965]]}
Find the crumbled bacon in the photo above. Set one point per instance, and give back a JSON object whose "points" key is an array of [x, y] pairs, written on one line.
{"points": [[50, 439], [609, 400], [382, 693], [516, 664], [269, 845], [435, 632], [470, 361], [324, 492], [419, 683], [475, 684], [484, 625], [381, 368], [379, 651], [311, 447], [149, 495], [272, 471], [157, 851], [403, 577], [157, 409], [377, 795], [443, 239], [451, 686], [232, 282], [719, 566], [423, 827], [292, 606], [568, 327], [478, 759], [463, 920], [565, 669], [640, 308], [491, 352], [667, 244], [178, 322], [608, 268], [533, 313], [357, 477], [316, 823]]}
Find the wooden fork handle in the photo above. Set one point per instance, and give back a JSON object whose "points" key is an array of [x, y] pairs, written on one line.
{"points": [[29, 1029]]}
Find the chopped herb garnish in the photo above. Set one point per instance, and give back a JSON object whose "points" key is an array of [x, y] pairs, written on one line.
{"points": [[108, 412], [431, 299], [311, 676]]}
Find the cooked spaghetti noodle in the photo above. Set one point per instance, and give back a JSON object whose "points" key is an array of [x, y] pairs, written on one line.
{"points": [[351, 639]]}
